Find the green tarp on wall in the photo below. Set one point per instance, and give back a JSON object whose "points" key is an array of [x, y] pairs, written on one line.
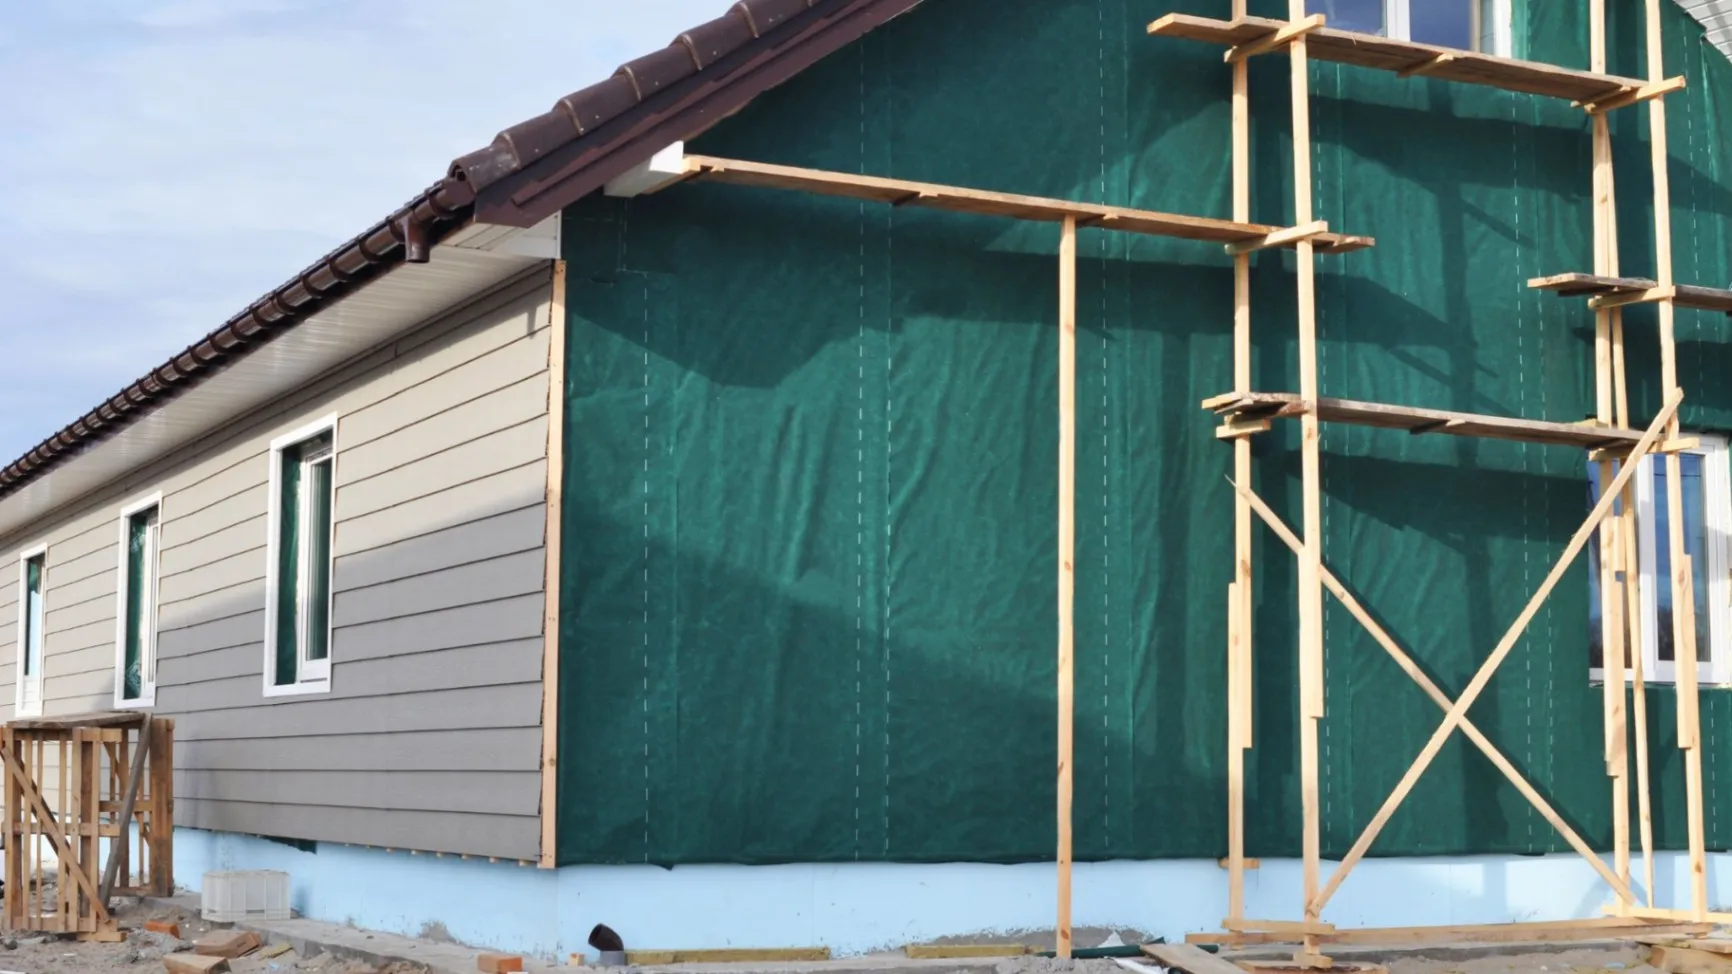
{"points": [[808, 596]]}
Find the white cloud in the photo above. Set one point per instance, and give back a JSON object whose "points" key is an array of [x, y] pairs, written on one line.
{"points": [[164, 163]]}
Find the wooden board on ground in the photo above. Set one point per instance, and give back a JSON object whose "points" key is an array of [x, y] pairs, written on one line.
{"points": [[955, 951], [980, 202], [1387, 54], [227, 943], [1596, 928], [1190, 959], [1674, 959], [724, 955], [1413, 419]]}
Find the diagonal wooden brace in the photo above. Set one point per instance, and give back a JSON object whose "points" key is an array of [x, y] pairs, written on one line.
{"points": [[51, 829], [1458, 712], [1412, 669]]}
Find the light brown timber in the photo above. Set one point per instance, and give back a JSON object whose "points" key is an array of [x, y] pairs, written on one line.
{"points": [[1431, 689], [1389, 54], [957, 199], [1239, 654], [1594, 928], [551, 574], [1066, 566], [1483, 675]]}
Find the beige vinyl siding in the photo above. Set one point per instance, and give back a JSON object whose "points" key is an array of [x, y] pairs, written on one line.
{"points": [[9, 589], [429, 737]]}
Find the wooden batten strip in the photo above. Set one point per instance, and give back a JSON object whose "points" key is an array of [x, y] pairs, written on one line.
{"points": [[1067, 287], [550, 622]]}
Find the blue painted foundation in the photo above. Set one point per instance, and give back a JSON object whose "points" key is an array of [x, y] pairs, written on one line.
{"points": [[859, 907]]}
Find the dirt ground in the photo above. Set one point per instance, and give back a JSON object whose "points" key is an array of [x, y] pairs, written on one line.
{"points": [[1595, 960], [1621, 960], [143, 951]]}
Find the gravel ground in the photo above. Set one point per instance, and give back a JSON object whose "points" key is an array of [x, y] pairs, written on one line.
{"points": [[143, 952]]}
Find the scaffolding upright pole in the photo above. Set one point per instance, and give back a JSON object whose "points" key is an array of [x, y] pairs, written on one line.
{"points": [[1239, 599], [1066, 568], [1310, 577], [1612, 602], [1682, 580]]}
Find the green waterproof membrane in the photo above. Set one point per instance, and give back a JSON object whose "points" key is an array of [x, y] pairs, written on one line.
{"points": [[808, 597]]}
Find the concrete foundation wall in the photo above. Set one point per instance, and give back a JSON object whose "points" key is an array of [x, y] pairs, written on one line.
{"points": [[856, 908]]}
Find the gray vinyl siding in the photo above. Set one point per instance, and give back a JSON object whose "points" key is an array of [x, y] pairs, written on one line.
{"points": [[429, 737]]}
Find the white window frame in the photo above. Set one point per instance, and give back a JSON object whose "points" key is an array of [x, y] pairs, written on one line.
{"points": [[25, 703], [1717, 521], [147, 638], [1400, 25], [311, 676], [1717, 525]]}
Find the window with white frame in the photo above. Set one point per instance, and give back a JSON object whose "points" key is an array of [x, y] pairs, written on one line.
{"points": [[135, 627], [1472, 25], [298, 573], [32, 615], [1705, 488]]}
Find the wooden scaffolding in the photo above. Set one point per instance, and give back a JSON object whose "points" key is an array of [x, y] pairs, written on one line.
{"points": [[1610, 440], [71, 784], [1613, 444]]}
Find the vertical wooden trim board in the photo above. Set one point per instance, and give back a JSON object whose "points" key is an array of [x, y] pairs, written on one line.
{"points": [[1311, 695], [1066, 565], [550, 583], [1239, 603]]}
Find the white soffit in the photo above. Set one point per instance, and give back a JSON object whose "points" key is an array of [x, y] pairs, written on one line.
{"points": [[468, 263], [1716, 15]]}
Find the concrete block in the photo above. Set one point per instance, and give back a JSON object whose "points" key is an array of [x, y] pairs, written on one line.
{"points": [[499, 963], [194, 964], [227, 943]]}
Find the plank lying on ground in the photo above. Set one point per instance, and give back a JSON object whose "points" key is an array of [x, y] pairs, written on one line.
{"points": [[1190, 959], [979, 202], [1597, 928], [956, 951], [1250, 405], [1712, 945], [724, 955], [1387, 54], [1674, 959]]}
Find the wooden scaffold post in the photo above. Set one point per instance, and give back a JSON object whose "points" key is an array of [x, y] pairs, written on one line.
{"points": [[1066, 566]]}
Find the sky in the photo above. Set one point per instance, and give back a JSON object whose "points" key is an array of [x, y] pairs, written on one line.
{"points": [[163, 163]]}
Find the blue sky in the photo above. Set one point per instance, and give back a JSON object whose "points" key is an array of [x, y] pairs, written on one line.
{"points": [[165, 162]]}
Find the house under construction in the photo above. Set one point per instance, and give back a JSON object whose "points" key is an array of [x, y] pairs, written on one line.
{"points": [[670, 498]]}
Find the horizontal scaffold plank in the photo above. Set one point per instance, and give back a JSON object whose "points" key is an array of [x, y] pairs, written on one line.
{"points": [[956, 199], [1597, 928], [1249, 405], [1409, 57], [1594, 285]]}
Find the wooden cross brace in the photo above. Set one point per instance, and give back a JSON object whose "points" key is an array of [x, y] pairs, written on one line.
{"points": [[51, 829], [1455, 713]]}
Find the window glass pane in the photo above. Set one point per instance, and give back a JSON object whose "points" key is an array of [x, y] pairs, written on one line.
{"points": [[318, 521], [1695, 545], [1489, 28], [1364, 16], [288, 565], [33, 615], [1448, 23], [140, 587]]}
